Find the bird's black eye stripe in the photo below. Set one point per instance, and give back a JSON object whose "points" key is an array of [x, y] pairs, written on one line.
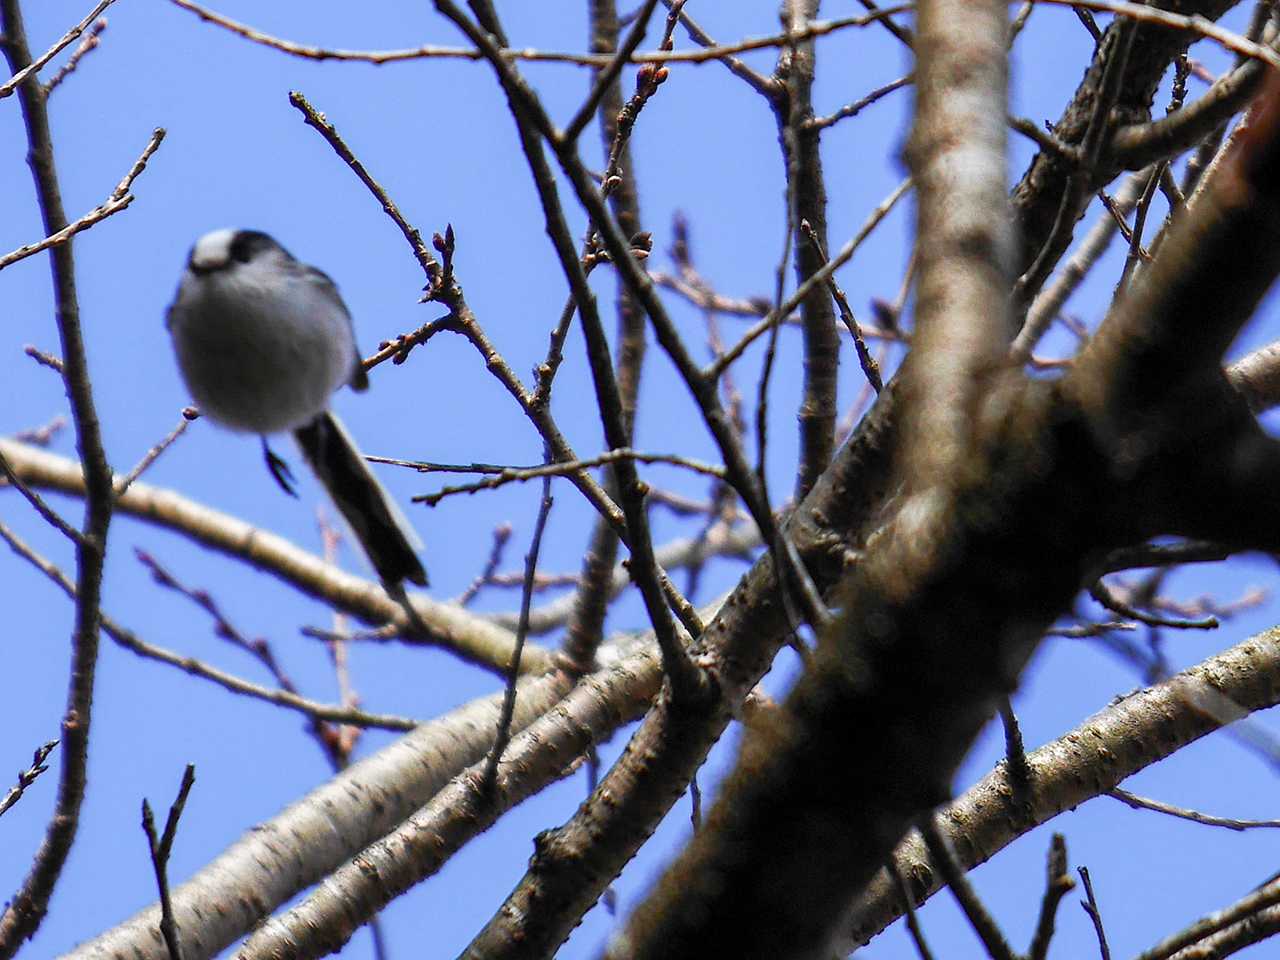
{"points": [[247, 244]]}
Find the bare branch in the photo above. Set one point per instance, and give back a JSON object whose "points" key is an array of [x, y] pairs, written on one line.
{"points": [[522, 631], [1183, 813], [472, 637], [119, 199], [196, 668], [27, 907], [160, 848], [30, 67], [1123, 738], [816, 28], [84, 48], [944, 859], [27, 777]]}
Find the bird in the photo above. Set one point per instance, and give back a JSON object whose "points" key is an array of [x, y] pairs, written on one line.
{"points": [[263, 341]]}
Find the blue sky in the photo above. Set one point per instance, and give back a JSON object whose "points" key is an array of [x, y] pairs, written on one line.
{"points": [[436, 135]]}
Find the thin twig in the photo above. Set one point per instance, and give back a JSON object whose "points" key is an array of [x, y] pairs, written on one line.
{"points": [[1086, 630], [43, 358], [1185, 813], [1090, 906], [42, 435], [1090, 24], [1052, 296], [902, 33], [29, 904], [606, 77], [723, 362], [1058, 883], [50, 515], [1195, 23], [1046, 141], [1139, 224], [765, 86], [816, 28], [28, 776], [909, 908], [119, 199], [86, 46], [442, 286], [857, 106], [501, 475], [870, 368], [152, 455], [315, 119], [532, 122], [522, 631], [501, 537], [1090, 148], [33, 66], [811, 439], [1020, 20], [131, 642], [944, 860], [160, 849], [1103, 595]]}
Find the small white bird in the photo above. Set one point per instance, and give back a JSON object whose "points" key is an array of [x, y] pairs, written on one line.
{"points": [[262, 341]]}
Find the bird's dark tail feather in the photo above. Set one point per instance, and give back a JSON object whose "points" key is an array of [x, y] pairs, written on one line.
{"points": [[376, 521]]}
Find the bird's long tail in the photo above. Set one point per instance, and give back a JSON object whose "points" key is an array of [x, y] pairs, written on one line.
{"points": [[383, 532]]}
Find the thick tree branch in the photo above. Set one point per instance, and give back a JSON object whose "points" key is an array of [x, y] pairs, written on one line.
{"points": [[314, 836], [947, 602], [1139, 144], [1039, 195], [471, 636], [1112, 745], [543, 753]]}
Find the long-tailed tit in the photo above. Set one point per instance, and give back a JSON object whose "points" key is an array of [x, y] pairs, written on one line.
{"points": [[262, 341]]}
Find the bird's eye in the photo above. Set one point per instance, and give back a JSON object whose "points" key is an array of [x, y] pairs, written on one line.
{"points": [[247, 244]]}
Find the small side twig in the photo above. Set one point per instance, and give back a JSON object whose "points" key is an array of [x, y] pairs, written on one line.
{"points": [[1016, 757], [15, 81], [86, 46], [160, 849], [982, 922], [42, 358], [501, 475], [845, 254], [188, 414], [765, 86], [315, 119], [38, 502], [857, 106], [870, 368], [119, 199], [501, 537], [1090, 906], [1139, 224], [28, 776], [909, 907], [1103, 595], [1184, 813], [42, 435], [1058, 884], [522, 631]]}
